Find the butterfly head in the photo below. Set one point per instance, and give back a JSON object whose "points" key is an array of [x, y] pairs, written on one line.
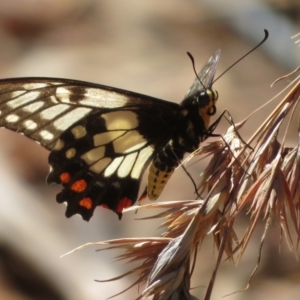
{"points": [[201, 96], [203, 102], [207, 102]]}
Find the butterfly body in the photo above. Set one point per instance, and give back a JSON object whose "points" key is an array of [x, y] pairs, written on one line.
{"points": [[102, 139]]}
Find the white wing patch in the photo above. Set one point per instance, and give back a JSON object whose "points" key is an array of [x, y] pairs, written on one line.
{"points": [[143, 156], [67, 120], [22, 98], [127, 165], [63, 94], [102, 98], [32, 107], [31, 86], [46, 135], [16, 94], [111, 169], [53, 111], [30, 125], [13, 118]]}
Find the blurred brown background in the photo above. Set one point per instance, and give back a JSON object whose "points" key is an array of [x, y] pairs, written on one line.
{"points": [[139, 46]]}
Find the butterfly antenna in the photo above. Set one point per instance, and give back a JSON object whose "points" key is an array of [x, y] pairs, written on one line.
{"points": [[264, 39], [194, 68]]}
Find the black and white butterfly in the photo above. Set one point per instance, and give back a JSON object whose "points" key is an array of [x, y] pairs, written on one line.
{"points": [[102, 138]]}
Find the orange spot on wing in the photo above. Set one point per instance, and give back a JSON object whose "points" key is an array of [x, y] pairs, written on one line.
{"points": [[79, 186], [64, 177], [105, 206], [124, 203], [86, 203]]}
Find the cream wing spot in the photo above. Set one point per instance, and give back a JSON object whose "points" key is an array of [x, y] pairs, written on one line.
{"points": [[23, 98], [120, 120], [136, 147], [13, 118], [113, 166], [53, 99], [15, 94], [143, 156], [78, 131], [106, 137], [30, 125], [59, 145], [70, 153], [127, 165], [65, 121], [130, 141], [101, 98], [51, 112], [93, 155], [35, 85], [46, 135], [32, 107], [63, 94], [100, 165]]}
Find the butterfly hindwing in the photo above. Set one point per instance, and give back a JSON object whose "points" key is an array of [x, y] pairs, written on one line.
{"points": [[100, 159]]}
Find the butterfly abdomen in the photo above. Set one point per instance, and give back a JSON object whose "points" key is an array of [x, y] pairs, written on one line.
{"points": [[189, 132], [161, 169]]}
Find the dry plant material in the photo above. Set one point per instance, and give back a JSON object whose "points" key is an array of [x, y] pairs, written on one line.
{"points": [[259, 177]]}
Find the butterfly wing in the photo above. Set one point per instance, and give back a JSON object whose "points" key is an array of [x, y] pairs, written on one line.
{"points": [[206, 76], [101, 138]]}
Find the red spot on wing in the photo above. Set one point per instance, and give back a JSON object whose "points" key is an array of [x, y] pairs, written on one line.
{"points": [[79, 186], [86, 203], [105, 206], [64, 177], [123, 203]]}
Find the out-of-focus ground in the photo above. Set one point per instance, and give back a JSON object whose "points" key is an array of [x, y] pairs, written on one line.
{"points": [[139, 46]]}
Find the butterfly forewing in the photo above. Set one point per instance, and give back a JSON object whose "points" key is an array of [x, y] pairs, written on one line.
{"points": [[43, 108], [206, 75], [100, 159], [101, 138]]}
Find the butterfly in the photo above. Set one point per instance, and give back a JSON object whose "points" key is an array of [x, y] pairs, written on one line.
{"points": [[101, 139]]}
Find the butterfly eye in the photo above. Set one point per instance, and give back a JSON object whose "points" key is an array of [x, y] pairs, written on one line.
{"points": [[205, 98]]}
